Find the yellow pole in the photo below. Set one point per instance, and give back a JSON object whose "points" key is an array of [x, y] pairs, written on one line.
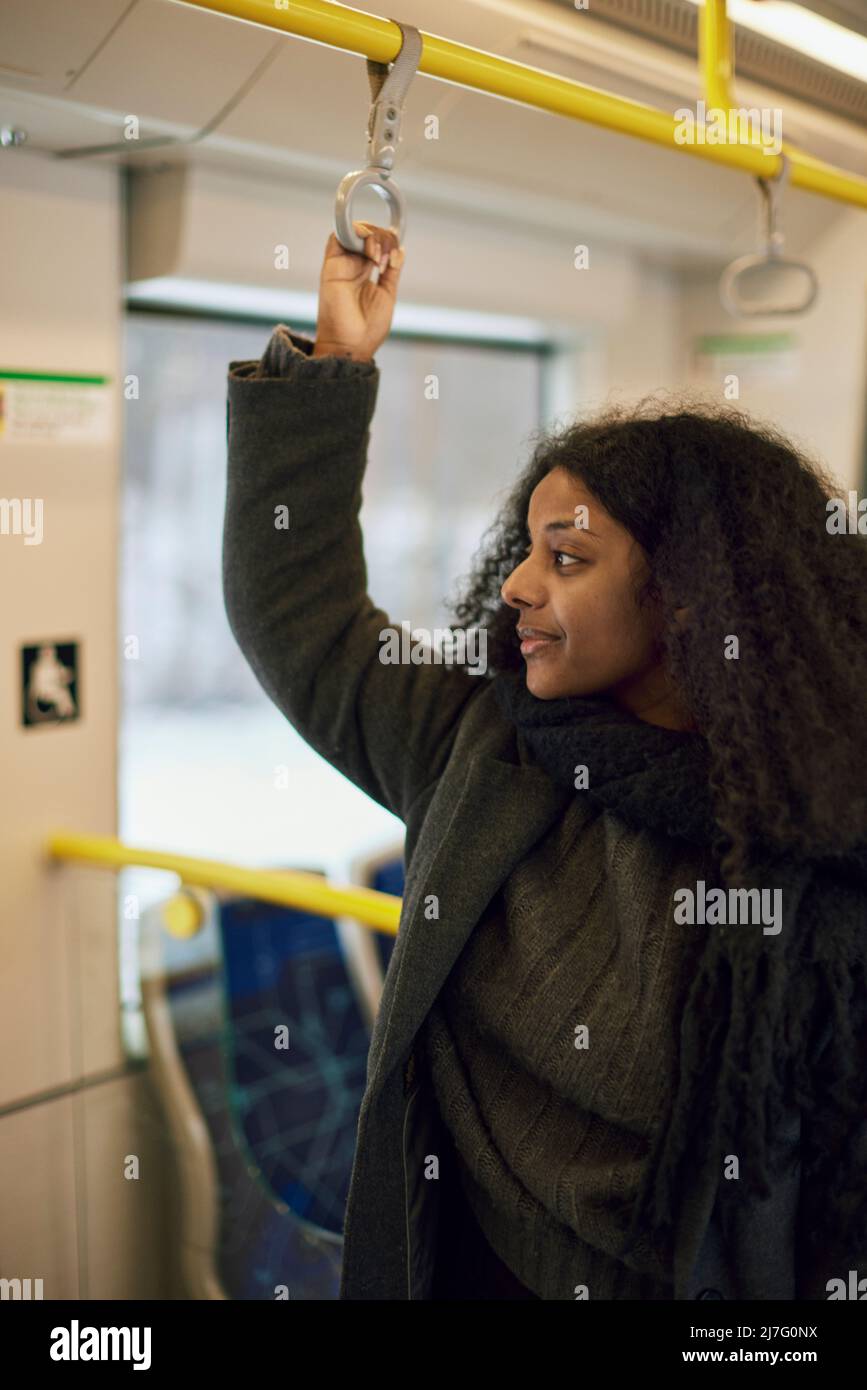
{"points": [[380, 911], [325, 21], [715, 54], [716, 58]]}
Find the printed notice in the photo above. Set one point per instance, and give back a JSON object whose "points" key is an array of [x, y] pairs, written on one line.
{"points": [[50, 408]]}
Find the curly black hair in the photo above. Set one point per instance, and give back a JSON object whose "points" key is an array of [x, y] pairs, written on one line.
{"points": [[734, 522]]}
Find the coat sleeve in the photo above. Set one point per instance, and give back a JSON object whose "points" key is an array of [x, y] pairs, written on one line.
{"points": [[295, 577]]}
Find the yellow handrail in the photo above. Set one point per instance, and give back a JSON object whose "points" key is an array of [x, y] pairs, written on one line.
{"points": [[289, 888], [325, 21], [717, 65]]}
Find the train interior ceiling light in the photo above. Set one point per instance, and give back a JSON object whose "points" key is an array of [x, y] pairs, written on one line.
{"points": [[828, 32]]}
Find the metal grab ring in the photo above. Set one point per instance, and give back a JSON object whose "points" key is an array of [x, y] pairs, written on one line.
{"points": [[739, 308], [349, 186]]}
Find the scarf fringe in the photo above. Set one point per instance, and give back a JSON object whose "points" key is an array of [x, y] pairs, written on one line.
{"points": [[767, 1065]]}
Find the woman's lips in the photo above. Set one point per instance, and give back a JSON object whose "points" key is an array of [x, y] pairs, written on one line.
{"points": [[535, 644]]}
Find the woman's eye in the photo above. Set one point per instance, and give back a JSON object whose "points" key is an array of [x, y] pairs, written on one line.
{"points": [[576, 559]]}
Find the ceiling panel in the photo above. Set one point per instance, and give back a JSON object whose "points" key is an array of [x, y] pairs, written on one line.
{"points": [[173, 63], [52, 124], [286, 108], [43, 45]]}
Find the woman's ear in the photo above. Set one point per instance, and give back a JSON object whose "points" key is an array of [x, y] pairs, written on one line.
{"points": [[681, 615]]}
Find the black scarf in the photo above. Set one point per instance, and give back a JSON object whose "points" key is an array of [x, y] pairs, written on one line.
{"points": [[753, 1012], [652, 777]]}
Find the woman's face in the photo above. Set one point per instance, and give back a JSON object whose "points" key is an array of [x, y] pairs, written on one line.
{"points": [[577, 586]]}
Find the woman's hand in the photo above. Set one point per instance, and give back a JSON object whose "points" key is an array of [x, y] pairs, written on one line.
{"points": [[354, 313]]}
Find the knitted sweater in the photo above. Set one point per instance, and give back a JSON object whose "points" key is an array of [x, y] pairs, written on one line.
{"points": [[551, 1136]]}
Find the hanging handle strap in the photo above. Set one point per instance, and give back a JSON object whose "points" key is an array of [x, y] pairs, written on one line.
{"points": [[389, 84], [750, 270], [388, 89], [771, 191]]}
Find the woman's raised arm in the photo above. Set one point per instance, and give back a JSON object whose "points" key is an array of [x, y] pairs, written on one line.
{"points": [[294, 573]]}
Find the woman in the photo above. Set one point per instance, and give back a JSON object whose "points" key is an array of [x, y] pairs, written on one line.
{"points": [[622, 1045]]}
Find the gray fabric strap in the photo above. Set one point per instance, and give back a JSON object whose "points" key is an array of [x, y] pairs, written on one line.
{"points": [[390, 82]]}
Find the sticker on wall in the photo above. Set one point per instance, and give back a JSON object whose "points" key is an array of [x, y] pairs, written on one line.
{"points": [[54, 408], [756, 357], [49, 683]]}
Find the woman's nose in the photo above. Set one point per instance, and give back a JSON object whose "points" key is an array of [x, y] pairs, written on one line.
{"points": [[518, 588], [506, 589]]}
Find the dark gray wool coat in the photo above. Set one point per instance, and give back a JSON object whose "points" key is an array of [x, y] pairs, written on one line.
{"points": [[433, 747]]}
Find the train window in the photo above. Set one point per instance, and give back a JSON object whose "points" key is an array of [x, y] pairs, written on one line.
{"points": [[208, 765]]}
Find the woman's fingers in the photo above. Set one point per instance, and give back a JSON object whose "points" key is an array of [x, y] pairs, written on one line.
{"points": [[381, 247], [377, 240], [390, 268], [333, 247]]}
